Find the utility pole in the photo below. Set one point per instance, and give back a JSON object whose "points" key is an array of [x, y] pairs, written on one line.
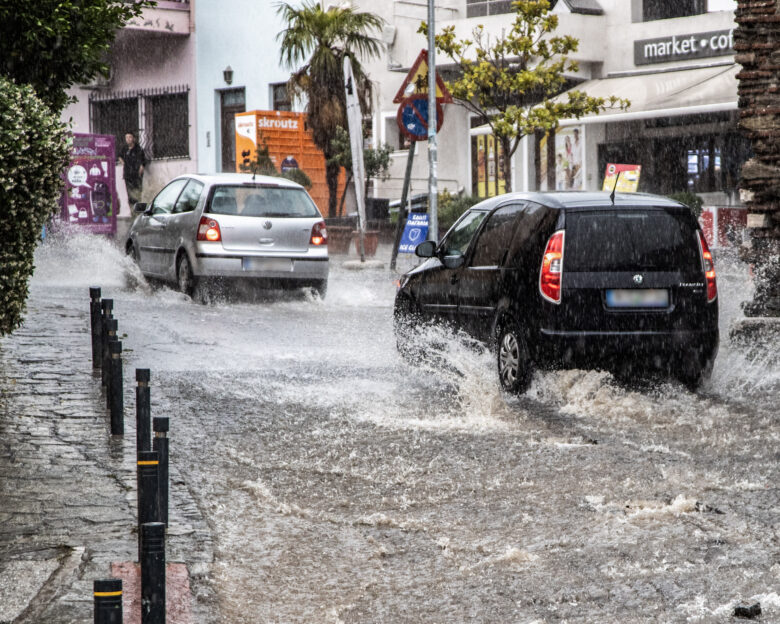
{"points": [[433, 229]]}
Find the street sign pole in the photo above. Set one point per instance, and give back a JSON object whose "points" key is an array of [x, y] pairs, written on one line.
{"points": [[433, 232], [355, 123]]}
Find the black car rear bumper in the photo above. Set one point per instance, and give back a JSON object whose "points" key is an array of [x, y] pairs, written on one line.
{"points": [[657, 349]]}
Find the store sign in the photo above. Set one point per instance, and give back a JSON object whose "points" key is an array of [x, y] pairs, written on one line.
{"points": [[684, 47]]}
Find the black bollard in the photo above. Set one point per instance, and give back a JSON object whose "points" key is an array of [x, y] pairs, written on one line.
{"points": [[106, 312], [143, 410], [148, 486], [108, 601], [116, 392], [161, 426], [153, 573], [111, 326], [94, 319]]}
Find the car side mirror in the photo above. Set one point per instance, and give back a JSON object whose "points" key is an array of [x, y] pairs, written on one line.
{"points": [[139, 207], [453, 262], [426, 249]]}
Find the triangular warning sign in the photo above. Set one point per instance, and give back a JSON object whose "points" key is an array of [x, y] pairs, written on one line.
{"points": [[418, 75]]}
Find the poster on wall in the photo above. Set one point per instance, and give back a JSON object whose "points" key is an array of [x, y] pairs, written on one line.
{"points": [[568, 159], [628, 182], [89, 200], [543, 163]]}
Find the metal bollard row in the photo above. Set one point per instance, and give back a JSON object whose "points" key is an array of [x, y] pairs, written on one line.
{"points": [[152, 470]]}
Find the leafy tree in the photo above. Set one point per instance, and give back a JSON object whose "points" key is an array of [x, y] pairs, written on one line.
{"points": [[376, 161], [34, 149], [54, 44], [508, 80], [320, 40]]}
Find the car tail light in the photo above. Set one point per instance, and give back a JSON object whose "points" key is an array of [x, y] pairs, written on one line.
{"points": [[319, 234], [552, 268], [208, 230], [709, 269]]}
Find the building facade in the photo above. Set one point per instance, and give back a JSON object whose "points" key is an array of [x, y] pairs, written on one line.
{"points": [[151, 91], [178, 75], [673, 59]]}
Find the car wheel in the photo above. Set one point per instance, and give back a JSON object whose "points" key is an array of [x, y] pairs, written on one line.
{"points": [[406, 321], [321, 288], [692, 373], [132, 251], [185, 279], [515, 368]]}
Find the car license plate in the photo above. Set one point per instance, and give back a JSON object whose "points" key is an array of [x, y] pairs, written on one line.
{"points": [[638, 298], [278, 265]]}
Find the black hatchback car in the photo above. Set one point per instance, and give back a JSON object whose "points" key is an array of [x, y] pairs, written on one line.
{"points": [[572, 279]]}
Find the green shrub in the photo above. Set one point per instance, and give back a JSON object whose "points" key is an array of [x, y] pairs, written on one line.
{"points": [[34, 148], [451, 206], [692, 200]]}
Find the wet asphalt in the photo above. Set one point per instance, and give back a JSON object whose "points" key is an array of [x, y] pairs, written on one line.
{"points": [[319, 478]]}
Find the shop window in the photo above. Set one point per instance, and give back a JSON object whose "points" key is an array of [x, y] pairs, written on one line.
{"points": [[667, 9], [487, 166], [281, 97], [159, 117]]}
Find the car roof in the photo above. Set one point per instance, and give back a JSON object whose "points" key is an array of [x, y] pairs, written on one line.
{"points": [[582, 199], [241, 178]]}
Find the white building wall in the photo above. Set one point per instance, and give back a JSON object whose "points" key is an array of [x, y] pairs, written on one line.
{"points": [[241, 34]]}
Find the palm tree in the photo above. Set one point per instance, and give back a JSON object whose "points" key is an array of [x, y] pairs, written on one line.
{"points": [[320, 40]]}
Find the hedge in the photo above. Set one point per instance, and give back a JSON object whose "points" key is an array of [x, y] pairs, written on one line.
{"points": [[34, 146]]}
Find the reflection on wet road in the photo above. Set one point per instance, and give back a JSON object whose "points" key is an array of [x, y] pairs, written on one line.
{"points": [[344, 485]]}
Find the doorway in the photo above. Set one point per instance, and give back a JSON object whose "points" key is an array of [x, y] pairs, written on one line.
{"points": [[232, 101]]}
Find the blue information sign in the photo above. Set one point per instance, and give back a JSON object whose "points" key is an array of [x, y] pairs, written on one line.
{"points": [[415, 232]]}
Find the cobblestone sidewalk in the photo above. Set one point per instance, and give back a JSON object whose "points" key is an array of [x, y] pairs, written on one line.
{"points": [[67, 489]]}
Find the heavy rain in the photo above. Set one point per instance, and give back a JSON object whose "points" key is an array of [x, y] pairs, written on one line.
{"points": [[340, 484]]}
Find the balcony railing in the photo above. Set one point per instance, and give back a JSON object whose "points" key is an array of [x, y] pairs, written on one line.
{"points": [[168, 16]]}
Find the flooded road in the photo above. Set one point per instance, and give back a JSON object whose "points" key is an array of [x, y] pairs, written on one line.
{"points": [[343, 485]]}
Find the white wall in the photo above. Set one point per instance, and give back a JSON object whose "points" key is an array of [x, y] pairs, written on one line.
{"points": [[241, 34]]}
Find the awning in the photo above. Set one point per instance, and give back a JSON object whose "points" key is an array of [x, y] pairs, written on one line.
{"points": [[660, 94], [664, 94]]}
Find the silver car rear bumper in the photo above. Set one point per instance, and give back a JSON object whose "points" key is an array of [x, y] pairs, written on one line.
{"points": [[312, 265]]}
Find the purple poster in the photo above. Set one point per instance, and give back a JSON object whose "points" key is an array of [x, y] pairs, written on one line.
{"points": [[90, 201]]}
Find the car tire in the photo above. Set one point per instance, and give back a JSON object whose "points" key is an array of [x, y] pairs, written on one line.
{"points": [[406, 321], [184, 277], [692, 373], [321, 288], [132, 251], [515, 368]]}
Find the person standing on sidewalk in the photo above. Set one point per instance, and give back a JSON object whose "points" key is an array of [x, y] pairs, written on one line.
{"points": [[133, 159]]}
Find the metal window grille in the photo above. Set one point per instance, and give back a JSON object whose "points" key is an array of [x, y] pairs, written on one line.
{"points": [[481, 8], [159, 117]]}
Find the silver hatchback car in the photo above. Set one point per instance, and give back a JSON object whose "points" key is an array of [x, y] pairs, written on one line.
{"points": [[231, 226]]}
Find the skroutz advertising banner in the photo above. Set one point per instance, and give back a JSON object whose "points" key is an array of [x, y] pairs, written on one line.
{"points": [[289, 146], [628, 182], [89, 201]]}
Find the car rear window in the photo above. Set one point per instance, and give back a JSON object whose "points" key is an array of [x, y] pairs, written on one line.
{"points": [[261, 201], [656, 239]]}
